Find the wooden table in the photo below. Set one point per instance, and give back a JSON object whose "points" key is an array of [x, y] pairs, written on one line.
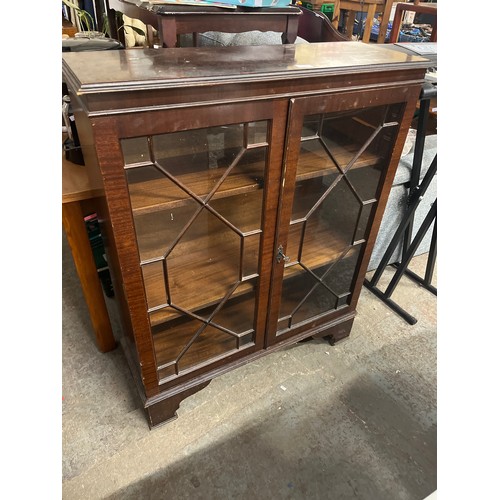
{"points": [[173, 20], [77, 201]]}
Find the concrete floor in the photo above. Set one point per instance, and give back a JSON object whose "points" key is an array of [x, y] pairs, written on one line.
{"points": [[356, 420]]}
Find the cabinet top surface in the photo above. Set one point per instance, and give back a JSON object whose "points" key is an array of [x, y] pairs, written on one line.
{"points": [[145, 68]]}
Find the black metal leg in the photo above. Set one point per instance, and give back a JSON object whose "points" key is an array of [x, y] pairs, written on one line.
{"points": [[415, 198], [402, 268], [432, 255], [426, 224], [429, 270], [390, 303], [417, 161]]}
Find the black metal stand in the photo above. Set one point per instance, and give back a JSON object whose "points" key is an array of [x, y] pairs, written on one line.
{"points": [[405, 229]]}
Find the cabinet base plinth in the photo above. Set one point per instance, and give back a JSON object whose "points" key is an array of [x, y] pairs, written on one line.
{"points": [[336, 333], [340, 332], [166, 410]]}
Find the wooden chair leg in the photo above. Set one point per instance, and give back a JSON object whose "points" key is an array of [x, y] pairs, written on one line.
{"points": [[336, 15], [349, 23], [369, 22], [385, 21]]}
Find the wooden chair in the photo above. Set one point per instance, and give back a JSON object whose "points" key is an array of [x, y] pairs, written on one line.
{"points": [[371, 7], [419, 8]]}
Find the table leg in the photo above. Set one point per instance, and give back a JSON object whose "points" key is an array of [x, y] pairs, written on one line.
{"points": [[79, 244], [149, 36], [167, 32], [292, 28]]}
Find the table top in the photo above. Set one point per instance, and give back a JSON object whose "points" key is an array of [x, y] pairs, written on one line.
{"points": [[124, 70], [76, 185], [171, 9]]}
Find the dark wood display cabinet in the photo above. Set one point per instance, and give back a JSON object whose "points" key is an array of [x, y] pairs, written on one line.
{"points": [[241, 192]]}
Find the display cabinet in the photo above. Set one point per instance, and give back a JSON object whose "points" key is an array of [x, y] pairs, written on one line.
{"points": [[241, 193]]}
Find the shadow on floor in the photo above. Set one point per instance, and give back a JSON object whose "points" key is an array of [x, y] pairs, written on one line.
{"points": [[371, 447]]}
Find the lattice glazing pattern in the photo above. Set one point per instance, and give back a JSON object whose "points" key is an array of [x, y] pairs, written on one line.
{"points": [[196, 198], [338, 177]]}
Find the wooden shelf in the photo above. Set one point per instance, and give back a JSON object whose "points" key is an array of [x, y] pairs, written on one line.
{"points": [[208, 252], [162, 194], [212, 271], [214, 274], [315, 163], [156, 231], [170, 341], [208, 287]]}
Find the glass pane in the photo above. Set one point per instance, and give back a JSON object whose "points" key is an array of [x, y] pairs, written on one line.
{"points": [[310, 126], [284, 323], [251, 246], [295, 283], [204, 264], [336, 215], [308, 191], [172, 341], [156, 232], [197, 202], [364, 218], [154, 284], [319, 300], [211, 343], [246, 339], [239, 198], [340, 277], [256, 133], [365, 181], [150, 189], [349, 134], [237, 314], [295, 241], [135, 150]]}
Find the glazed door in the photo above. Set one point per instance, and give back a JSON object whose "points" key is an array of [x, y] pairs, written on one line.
{"points": [[338, 151], [198, 197]]}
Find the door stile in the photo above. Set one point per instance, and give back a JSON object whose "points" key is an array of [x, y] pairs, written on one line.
{"points": [[269, 222], [287, 186]]}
